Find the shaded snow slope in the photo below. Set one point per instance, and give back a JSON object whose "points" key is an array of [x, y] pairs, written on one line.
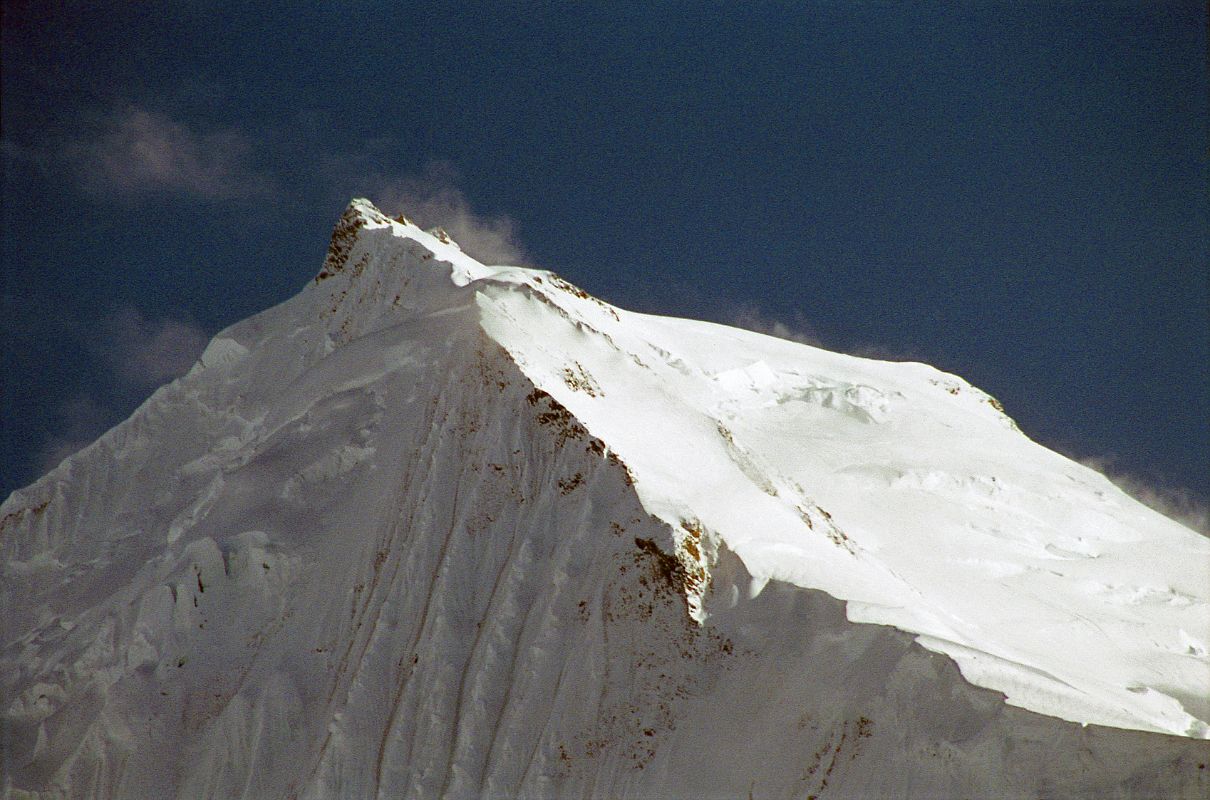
{"points": [[435, 528]]}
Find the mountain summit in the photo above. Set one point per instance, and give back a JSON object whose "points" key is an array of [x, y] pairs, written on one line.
{"points": [[438, 529]]}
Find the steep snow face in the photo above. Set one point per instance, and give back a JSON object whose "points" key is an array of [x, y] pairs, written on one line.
{"points": [[898, 488], [434, 528]]}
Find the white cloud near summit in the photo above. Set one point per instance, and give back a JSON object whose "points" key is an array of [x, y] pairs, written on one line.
{"points": [[751, 318], [434, 200], [139, 355], [1177, 504], [135, 152], [81, 421], [144, 354]]}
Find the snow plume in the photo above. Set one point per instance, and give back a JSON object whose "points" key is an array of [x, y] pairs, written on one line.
{"points": [[751, 318], [138, 152], [81, 420], [145, 353], [798, 329], [138, 355], [1178, 503], [880, 352], [434, 200]]}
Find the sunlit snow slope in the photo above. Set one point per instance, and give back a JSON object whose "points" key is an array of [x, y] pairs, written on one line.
{"points": [[439, 529]]}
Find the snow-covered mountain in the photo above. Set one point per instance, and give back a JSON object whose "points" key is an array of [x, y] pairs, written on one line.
{"points": [[439, 529]]}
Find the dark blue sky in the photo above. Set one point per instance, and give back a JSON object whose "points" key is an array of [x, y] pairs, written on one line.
{"points": [[1016, 192]]}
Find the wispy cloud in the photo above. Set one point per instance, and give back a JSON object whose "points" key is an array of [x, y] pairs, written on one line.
{"points": [[139, 354], [1175, 503], [12, 150], [138, 152], [81, 420], [144, 354], [433, 199], [797, 330], [880, 352]]}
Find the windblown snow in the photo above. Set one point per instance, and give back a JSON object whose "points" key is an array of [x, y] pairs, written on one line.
{"points": [[434, 528]]}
